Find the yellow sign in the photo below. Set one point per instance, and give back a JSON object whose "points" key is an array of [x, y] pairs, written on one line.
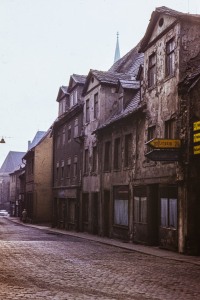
{"points": [[196, 126], [196, 137], [164, 143], [196, 149]]}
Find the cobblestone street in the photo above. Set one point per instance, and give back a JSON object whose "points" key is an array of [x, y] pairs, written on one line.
{"points": [[39, 264]]}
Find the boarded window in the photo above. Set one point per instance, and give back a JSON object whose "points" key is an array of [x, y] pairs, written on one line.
{"points": [[170, 47], [152, 70]]}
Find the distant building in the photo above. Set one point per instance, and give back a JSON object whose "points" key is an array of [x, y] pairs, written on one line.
{"points": [[11, 163], [38, 178]]}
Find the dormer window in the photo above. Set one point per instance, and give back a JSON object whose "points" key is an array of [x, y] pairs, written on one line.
{"points": [[73, 98], [152, 70]]}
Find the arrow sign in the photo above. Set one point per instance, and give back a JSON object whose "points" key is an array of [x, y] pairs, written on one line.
{"points": [[196, 126], [163, 155], [158, 143]]}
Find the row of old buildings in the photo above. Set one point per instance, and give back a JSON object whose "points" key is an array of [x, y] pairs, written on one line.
{"points": [[122, 159]]}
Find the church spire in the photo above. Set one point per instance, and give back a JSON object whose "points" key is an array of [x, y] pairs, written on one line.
{"points": [[117, 51]]}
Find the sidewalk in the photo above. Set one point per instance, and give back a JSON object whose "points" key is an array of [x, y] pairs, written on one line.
{"points": [[149, 250]]}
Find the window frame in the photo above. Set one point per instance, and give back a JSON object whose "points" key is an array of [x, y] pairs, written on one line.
{"points": [[170, 58], [152, 70]]}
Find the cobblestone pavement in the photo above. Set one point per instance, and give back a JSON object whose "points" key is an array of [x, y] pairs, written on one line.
{"points": [[37, 264]]}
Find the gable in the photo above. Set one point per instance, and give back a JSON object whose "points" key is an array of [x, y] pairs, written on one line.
{"points": [[161, 25]]}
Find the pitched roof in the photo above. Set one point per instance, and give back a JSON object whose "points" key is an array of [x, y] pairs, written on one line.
{"points": [[134, 105], [12, 162], [106, 77], [39, 135], [79, 78], [129, 63], [166, 11]]}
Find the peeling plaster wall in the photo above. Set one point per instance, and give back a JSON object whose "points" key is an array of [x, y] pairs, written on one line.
{"points": [[106, 101], [162, 105]]}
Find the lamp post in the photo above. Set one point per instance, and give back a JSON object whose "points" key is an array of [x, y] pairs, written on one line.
{"points": [[2, 141]]}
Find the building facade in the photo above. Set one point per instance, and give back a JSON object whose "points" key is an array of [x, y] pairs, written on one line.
{"points": [[67, 155]]}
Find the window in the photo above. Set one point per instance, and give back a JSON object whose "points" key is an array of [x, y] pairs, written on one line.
{"points": [[107, 158], [140, 209], [117, 154], [96, 106], [86, 163], [87, 111], [127, 150], [62, 169], [76, 128], [152, 70], [170, 47], [121, 205], [170, 129], [75, 166], [94, 159], [169, 212], [57, 170], [150, 136], [68, 167], [69, 132], [58, 141], [73, 98], [63, 137]]}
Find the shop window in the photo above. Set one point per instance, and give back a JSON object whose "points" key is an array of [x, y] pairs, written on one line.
{"points": [[127, 150], [140, 210], [117, 154], [169, 213], [107, 156], [170, 58], [152, 71]]}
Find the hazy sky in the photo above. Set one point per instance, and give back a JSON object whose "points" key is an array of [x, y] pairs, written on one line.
{"points": [[43, 42]]}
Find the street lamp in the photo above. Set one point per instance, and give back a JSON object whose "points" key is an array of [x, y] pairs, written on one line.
{"points": [[2, 141]]}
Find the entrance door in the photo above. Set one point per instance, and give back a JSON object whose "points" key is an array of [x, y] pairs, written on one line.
{"points": [[106, 213]]}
